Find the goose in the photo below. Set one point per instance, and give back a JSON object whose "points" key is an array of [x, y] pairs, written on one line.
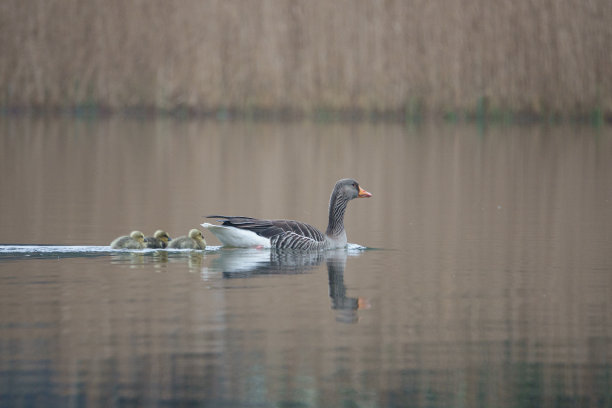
{"points": [[195, 240], [248, 232], [158, 240], [134, 241]]}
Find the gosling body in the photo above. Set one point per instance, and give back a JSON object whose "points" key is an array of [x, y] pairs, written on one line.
{"points": [[194, 240], [159, 240], [134, 241]]}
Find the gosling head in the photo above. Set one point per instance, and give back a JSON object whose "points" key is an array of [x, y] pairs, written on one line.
{"points": [[196, 234], [162, 235], [138, 236]]}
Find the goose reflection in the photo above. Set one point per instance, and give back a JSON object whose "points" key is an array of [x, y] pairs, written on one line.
{"points": [[346, 306], [245, 263]]}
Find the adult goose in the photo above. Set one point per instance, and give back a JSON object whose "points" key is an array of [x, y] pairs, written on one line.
{"points": [[287, 234]]}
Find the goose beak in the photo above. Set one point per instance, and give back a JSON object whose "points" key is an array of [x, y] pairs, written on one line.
{"points": [[363, 193], [363, 304]]}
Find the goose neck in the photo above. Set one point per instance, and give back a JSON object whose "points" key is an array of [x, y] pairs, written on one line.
{"points": [[337, 208]]}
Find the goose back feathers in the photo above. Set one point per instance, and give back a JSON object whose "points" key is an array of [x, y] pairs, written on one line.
{"points": [[239, 231], [279, 233]]}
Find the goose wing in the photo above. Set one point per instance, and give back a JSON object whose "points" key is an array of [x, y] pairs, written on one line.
{"points": [[283, 234], [292, 240]]}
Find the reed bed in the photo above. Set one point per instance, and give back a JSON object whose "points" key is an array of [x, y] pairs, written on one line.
{"points": [[407, 58]]}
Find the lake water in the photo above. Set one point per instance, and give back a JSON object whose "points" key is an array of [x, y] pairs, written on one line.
{"points": [[486, 278]]}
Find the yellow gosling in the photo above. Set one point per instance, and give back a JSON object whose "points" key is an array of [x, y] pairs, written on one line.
{"points": [[159, 240], [195, 240], [134, 241]]}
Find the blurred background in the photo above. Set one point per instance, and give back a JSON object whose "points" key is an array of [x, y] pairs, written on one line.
{"points": [[481, 128], [549, 58]]}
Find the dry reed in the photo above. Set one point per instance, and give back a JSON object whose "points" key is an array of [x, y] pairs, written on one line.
{"points": [[538, 57]]}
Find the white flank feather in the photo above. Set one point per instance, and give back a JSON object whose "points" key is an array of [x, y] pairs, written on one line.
{"points": [[236, 237]]}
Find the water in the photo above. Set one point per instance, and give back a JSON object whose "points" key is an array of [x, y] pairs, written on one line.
{"points": [[481, 273]]}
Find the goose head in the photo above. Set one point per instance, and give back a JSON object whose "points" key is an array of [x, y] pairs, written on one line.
{"points": [[162, 235], [350, 189], [138, 236], [344, 191]]}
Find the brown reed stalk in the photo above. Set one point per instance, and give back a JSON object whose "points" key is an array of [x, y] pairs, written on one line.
{"points": [[538, 57]]}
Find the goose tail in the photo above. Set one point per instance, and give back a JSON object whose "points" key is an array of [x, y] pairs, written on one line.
{"points": [[236, 237]]}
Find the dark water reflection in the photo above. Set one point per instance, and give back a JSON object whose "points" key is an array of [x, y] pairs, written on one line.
{"points": [[492, 285]]}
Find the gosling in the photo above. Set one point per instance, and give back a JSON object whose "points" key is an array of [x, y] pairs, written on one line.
{"points": [[195, 240], [158, 240], [134, 241]]}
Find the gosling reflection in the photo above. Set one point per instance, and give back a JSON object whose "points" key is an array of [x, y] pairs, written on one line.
{"points": [[133, 259], [195, 260], [155, 258], [245, 263]]}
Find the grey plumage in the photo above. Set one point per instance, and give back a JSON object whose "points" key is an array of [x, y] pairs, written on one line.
{"points": [[289, 234]]}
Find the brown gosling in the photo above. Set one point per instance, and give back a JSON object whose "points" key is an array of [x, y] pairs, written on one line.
{"points": [[158, 240], [195, 240]]}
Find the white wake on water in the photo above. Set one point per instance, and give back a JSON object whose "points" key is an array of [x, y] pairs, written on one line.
{"points": [[52, 249]]}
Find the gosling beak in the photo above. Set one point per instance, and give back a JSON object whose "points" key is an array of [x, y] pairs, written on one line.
{"points": [[363, 193]]}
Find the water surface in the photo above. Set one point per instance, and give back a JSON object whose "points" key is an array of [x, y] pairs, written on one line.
{"points": [[486, 280]]}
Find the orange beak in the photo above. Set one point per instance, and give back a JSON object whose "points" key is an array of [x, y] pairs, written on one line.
{"points": [[363, 193], [363, 304]]}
